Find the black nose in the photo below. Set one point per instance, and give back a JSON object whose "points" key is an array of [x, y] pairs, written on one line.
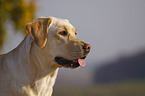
{"points": [[87, 48]]}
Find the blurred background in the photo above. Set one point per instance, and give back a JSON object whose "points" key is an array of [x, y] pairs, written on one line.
{"points": [[114, 28]]}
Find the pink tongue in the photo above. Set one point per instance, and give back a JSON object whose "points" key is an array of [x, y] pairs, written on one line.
{"points": [[81, 62]]}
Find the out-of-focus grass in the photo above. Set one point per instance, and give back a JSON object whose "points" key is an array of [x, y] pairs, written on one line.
{"points": [[117, 89]]}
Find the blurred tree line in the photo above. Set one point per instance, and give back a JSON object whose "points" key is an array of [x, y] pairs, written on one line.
{"points": [[19, 12]]}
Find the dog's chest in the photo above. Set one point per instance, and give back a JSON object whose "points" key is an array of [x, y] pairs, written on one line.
{"points": [[44, 86]]}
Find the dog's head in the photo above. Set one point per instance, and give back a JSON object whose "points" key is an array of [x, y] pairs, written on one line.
{"points": [[58, 38]]}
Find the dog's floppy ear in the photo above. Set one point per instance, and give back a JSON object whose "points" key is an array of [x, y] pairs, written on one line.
{"points": [[38, 30]]}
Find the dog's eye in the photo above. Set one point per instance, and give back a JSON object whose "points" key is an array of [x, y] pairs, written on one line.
{"points": [[75, 33], [64, 33]]}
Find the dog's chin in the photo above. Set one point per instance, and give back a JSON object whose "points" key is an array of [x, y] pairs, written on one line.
{"points": [[63, 62]]}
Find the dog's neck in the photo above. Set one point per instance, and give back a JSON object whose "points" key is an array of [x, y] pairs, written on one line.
{"points": [[45, 72]]}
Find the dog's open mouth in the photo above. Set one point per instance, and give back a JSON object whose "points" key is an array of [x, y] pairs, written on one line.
{"points": [[70, 63]]}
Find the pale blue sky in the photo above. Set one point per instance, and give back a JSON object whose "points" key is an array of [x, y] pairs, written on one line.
{"points": [[112, 27]]}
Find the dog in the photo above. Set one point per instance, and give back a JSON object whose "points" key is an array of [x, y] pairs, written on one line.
{"points": [[31, 68]]}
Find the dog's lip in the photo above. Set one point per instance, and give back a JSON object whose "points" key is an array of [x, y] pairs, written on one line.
{"points": [[69, 63]]}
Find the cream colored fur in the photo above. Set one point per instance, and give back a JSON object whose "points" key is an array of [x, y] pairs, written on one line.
{"points": [[30, 68]]}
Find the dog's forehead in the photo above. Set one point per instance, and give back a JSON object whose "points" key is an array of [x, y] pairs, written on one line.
{"points": [[64, 23]]}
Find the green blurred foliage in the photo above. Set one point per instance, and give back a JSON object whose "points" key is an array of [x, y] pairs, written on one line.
{"points": [[19, 12]]}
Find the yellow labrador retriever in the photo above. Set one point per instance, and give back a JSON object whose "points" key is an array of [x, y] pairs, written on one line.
{"points": [[31, 68]]}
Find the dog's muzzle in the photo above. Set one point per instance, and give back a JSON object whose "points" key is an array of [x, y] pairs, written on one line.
{"points": [[75, 62]]}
